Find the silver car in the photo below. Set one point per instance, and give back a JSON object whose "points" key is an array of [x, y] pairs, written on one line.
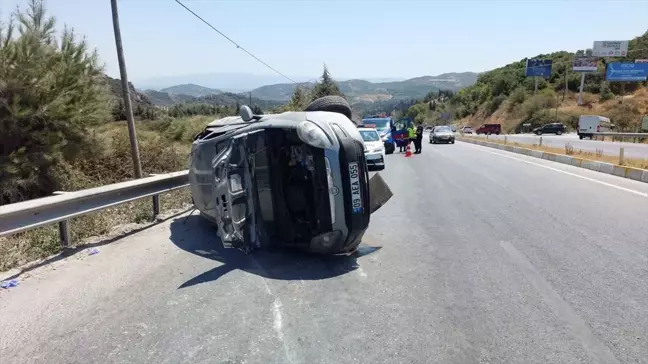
{"points": [[442, 134], [299, 179]]}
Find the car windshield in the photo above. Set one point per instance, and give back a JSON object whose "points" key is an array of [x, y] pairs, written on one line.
{"points": [[379, 124], [442, 129], [369, 135]]}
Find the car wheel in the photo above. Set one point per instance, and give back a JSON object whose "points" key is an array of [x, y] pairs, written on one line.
{"points": [[452, 142], [559, 133], [580, 137], [331, 103]]}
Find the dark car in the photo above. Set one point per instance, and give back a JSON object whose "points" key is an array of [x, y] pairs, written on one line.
{"points": [[553, 128], [489, 129]]}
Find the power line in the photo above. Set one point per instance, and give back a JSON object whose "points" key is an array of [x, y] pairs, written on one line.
{"points": [[233, 42]]}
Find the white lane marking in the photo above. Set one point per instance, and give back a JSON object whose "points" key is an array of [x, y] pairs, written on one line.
{"points": [[595, 349], [562, 171], [277, 315], [361, 272]]}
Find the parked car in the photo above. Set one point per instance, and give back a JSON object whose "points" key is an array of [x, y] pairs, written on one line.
{"points": [[552, 128], [489, 129], [467, 130], [298, 179], [589, 124], [442, 134], [374, 148]]}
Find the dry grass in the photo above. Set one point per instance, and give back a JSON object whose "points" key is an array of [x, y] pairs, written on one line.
{"points": [[598, 156], [164, 147], [626, 114]]}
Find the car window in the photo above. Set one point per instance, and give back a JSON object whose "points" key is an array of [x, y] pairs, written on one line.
{"points": [[442, 129], [369, 135]]}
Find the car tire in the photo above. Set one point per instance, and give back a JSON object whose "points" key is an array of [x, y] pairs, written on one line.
{"points": [[390, 150], [331, 103], [452, 142], [559, 133]]}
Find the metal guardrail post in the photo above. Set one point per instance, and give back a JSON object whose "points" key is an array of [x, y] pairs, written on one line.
{"points": [[504, 139], [621, 153], [64, 228], [64, 233], [540, 143], [156, 206]]}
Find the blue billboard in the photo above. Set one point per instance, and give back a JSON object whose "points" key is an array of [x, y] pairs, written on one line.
{"points": [[626, 72], [538, 68]]}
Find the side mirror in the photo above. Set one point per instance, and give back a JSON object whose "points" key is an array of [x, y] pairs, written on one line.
{"points": [[246, 113]]}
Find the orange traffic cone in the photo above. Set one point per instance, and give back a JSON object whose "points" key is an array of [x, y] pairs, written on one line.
{"points": [[408, 151]]}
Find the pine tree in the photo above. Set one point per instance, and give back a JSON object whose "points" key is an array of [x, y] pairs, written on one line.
{"points": [[51, 88], [326, 86]]}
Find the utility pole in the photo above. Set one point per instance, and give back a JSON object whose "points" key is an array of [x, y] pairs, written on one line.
{"points": [[137, 165], [566, 85]]}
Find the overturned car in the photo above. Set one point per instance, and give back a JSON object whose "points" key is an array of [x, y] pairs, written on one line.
{"points": [[297, 179]]}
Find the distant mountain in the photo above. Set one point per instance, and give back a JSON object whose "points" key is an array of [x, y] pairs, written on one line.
{"points": [[160, 98], [359, 91], [191, 90], [222, 81]]}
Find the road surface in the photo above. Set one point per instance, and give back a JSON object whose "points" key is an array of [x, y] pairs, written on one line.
{"points": [[486, 257], [631, 150]]}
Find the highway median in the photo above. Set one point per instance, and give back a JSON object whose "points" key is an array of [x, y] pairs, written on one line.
{"points": [[635, 169]]}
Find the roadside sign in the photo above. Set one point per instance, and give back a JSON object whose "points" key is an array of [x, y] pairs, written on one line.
{"points": [[585, 64], [610, 48], [626, 72], [538, 68]]}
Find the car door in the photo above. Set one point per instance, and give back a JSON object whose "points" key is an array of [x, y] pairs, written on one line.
{"points": [[234, 192]]}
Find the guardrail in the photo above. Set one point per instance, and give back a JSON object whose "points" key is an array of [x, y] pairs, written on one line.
{"points": [[63, 206]]}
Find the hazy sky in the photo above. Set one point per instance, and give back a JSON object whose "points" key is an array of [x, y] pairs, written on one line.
{"points": [[356, 38]]}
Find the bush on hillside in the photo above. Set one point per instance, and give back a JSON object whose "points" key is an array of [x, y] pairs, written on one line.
{"points": [[50, 90]]}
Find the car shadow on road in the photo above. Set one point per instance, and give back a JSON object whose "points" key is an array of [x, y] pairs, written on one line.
{"points": [[195, 235]]}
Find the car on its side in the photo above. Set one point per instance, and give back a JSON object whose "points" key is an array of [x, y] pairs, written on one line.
{"points": [[374, 148], [297, 179], [551, 128], [489, 129], [442, 134]]}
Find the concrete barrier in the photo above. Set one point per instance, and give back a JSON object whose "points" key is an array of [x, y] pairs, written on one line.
{"points": [[636, 174]]}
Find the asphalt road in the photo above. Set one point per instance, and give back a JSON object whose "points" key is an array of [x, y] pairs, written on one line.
{"points": [[631, 150], [487, 257]]}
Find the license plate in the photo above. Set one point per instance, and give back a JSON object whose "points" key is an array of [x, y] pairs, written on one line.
{"points": [[356, 197]]}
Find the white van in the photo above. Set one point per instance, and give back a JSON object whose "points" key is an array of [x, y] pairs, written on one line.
{"points": [[588, 124]]}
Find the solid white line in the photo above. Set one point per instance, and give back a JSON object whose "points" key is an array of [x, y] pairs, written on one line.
{"points": [[638, 193]]}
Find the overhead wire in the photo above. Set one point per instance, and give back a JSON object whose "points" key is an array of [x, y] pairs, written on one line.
{"points": [[238, 46]]}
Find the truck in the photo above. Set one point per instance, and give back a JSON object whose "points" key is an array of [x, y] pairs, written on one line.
{"points": [[589, 124]]}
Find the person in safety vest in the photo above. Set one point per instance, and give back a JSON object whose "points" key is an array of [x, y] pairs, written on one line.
{"points": [[411, 133]]}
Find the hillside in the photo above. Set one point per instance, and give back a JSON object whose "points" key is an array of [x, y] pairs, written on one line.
{"points": [[365, 91], [506, 96], [191, 90]]}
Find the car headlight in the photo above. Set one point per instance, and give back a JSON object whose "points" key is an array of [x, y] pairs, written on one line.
{"points": [[313, 135]]}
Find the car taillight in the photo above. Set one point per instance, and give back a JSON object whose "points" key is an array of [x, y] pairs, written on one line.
{"points": [[598, 128]]}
